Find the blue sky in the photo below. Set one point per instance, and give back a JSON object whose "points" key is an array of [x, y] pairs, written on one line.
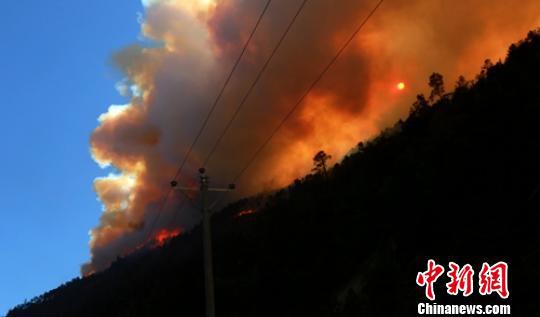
{"points": [[55, 81]]}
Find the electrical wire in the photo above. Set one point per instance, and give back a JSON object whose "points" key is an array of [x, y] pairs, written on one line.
{"points": [[306, 93], [301, 99], [253, 84], [220, 94], [207, 118]]}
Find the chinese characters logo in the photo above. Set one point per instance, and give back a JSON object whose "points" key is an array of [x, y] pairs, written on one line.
{"points": [[491, 279]]}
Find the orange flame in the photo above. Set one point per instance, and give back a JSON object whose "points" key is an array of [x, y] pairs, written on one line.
{"points": [[164, 235], [245, 213]]}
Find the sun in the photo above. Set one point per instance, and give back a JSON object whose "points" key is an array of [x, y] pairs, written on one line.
{"points": [[400, 85]]}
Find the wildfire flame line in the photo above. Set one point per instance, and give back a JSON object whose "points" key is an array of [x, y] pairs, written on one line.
{"points": [[162, 236]]}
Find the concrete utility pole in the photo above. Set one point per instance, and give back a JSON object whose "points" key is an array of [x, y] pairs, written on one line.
{"points": [[207, 237]]}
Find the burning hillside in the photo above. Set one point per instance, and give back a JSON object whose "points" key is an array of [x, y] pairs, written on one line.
{"points": [[171, 84]]}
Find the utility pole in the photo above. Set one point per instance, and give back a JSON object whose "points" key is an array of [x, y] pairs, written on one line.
{"points": [[207, 236]]}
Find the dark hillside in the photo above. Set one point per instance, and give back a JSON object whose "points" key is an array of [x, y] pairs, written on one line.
{"points": [[459, 180]]}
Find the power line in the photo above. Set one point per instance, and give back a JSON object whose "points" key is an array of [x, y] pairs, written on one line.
{"points": [[302, 98], [306, 93], [257, 78], [248, 93], [206, 215], [218, 97], [209, 114]]}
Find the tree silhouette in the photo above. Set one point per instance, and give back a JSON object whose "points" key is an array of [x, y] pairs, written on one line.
{"points": [[462, 83], [419, 106], [319, 163], [436, 83], [485, 68]]}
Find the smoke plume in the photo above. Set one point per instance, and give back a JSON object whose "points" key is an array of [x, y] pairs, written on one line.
{"points": [[172, 82]]}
